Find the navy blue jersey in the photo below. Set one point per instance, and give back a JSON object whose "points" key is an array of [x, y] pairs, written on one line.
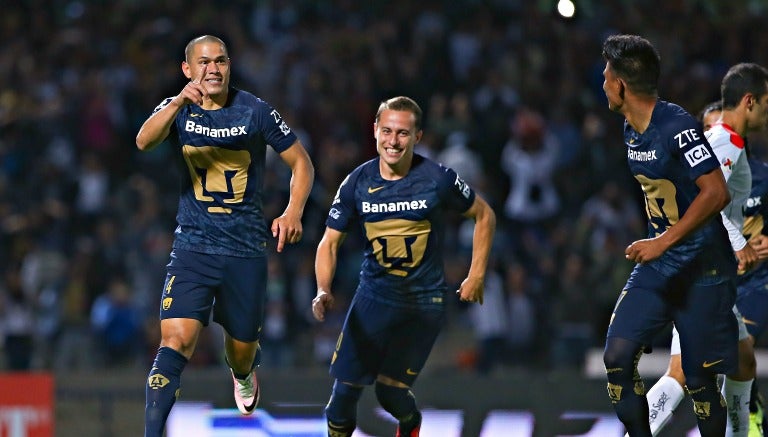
{"points": [[223, 151], [403, 225], [755, 212], [667, 159]]}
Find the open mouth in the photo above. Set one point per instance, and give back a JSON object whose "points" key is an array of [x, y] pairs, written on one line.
{"points": [[393, 152]]}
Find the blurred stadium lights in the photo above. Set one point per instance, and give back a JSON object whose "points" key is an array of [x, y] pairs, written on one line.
{"points": [[566, 8]]}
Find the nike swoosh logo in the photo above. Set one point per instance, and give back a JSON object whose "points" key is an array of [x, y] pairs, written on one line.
{"points": [[748, 322], [706, 364], [408, 371], [373, 190], [195, 115], [256, 397]]}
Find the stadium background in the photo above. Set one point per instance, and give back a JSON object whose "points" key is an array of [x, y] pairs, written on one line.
{"points": [[86, 220]]}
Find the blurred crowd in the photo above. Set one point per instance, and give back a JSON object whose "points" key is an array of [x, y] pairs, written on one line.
{"points": [[513, 100]]}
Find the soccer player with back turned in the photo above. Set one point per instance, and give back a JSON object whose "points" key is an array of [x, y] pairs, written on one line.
{"points": [[220, 134], [743, 109], [399, 200], [685, 268]]}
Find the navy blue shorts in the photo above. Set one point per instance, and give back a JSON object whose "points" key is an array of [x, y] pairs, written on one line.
{"points": [[233, 287], [700, 308], [752, 301], [380, 339]]}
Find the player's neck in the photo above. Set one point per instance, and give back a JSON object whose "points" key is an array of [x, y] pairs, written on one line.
{"points": [[736, 121], [214, 102], [393, 172], [639, 112]]}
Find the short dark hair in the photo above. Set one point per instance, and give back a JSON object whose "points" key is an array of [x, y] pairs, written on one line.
{"points": [[401, 103], [635, 60], [743, 78], [202, 39], [717, 105]]}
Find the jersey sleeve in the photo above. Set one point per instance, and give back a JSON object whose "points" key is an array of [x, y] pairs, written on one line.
{"points": [[696, 155], [456, 193], [343, 211], [172, 137], [162, 104], [734, 231], [274, 129], [729, 153]]}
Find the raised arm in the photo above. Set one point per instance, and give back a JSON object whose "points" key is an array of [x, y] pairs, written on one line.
{"points": [[156, 128]]}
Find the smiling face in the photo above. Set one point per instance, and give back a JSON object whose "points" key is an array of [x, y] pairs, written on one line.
{"points": [[396, 135], [208, 62]]}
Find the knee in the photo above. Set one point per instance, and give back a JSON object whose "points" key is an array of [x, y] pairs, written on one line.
{"points": [[180, 335], [397, 401], [610, 359], [618, 360], [180, 344], [698, 383]]}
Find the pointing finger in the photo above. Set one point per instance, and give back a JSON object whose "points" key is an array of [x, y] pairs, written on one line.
{"points": [[201, 76], [281, 239], [199, 81]]}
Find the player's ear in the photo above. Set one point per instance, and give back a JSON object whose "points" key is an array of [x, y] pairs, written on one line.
{"points": [[749, 100], [622, 87], [186, 69]]}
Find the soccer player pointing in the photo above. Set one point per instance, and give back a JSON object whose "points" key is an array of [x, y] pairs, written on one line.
{"points": [[218, 262], [399, 200]]}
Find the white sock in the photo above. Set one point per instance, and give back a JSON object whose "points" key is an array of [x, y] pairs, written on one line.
{"points": [[736, 394], [663, 398]]}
